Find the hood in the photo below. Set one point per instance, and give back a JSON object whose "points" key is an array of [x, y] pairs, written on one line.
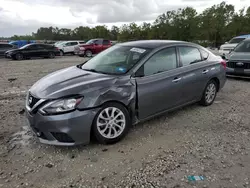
{"points": [[229, 46], [239, 56], [69, 81]]}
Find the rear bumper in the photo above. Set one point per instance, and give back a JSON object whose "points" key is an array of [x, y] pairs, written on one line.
{"points": [[241, 73], [68, 129]]}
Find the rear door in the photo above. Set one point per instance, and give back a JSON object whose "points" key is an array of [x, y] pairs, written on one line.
{"points": [[159, 84], [195, 72]]}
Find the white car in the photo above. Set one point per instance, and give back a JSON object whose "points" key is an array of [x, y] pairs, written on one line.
{"points": [[68, 47], [225, 49]]}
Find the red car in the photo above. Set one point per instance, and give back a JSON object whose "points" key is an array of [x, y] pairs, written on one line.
{"points": [[93, 46]]}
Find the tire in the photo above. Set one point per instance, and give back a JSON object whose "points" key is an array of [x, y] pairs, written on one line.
{"points": [[51, 55], [106, 131], [61, 53], [88, 53], [19, 56], [210, 90]]}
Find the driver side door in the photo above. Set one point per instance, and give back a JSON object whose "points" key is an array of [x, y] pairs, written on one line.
{"points": [[159, 83]]}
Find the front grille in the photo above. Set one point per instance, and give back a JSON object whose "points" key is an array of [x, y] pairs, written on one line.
{"points": [[232, 64], [32, 100], [62, 137]]}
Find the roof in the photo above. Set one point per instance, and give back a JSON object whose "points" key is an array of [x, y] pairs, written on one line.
{"points": [[243, 36], [150, 43]]}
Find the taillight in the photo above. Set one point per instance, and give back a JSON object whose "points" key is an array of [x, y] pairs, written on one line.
{"points": [[224, 63]]}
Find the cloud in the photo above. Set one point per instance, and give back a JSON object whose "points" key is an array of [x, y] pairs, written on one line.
{"points": [[26, 16]]}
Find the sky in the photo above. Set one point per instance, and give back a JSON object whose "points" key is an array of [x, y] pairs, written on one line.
{"points": [[20, 17]]}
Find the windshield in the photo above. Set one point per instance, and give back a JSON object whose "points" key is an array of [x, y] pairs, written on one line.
{"points": [[115, 60], [243, 47], [25, 46], [90, 41], [236, 40]]}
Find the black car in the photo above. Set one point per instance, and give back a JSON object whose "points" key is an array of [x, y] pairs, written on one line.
{"points": [[5, 47], [33, 50], [238, 62]]}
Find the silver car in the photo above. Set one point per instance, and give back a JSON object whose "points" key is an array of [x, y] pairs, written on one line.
{"points": [[123, 85]]}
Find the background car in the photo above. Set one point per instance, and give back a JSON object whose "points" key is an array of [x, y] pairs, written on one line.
{"points": [[123, 85], [33, 50], [5, 47], [93, 46], [238, 62], [225, 49], [68, 47]]}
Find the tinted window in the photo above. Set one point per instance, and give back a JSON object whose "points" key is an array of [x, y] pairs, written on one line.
{"points": [[189, 55], [106, 42], [163, 60], [82, 42], [99, 42], [243, 47], [73, 43], [33, 47], [204, 54]]}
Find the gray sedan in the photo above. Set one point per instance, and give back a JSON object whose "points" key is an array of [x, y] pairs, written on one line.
{"points": [[123, 85], [238, 63]]}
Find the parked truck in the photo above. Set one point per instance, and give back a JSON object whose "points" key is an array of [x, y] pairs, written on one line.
{"points": [[93, 46]]}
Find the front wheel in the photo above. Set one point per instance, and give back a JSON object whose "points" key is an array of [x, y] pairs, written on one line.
{"points": [[19, 56], [88, 53], [209, 93], [111, 123]]}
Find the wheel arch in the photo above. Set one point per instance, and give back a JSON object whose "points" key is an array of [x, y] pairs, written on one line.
{"points": [[217, 82]]}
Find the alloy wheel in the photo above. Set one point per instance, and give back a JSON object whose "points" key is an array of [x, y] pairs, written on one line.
{"points": [[111, 122], [210, 93]]}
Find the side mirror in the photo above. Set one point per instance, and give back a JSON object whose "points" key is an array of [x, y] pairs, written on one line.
{"points": [[226, 42]]}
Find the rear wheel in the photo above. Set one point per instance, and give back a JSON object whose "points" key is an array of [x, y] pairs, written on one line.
{"points": [[88, 53], [61, 53], [19, 56], [111, 123], [51, 55], [209, 93]]}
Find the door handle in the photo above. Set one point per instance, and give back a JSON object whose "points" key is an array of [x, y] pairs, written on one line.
{"points": [[205, 71], [176, 79]]}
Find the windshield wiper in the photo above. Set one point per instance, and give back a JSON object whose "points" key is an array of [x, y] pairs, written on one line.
{"points": [[93, 70]]}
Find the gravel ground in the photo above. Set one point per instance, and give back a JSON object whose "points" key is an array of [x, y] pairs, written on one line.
{"points": [[208, 141]]}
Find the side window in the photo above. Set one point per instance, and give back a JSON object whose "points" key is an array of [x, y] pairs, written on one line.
{"points": [[189, 55], [99, 42], [73, 43], [67, 44], [81, 42], [161, 61], [106, 42], [204, 54], [33, 47]]}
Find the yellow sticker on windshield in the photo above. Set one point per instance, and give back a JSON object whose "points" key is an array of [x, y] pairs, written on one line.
{"points": [[139, 50]]}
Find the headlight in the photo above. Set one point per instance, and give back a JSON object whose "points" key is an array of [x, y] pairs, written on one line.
{"points": [[60, 106]]}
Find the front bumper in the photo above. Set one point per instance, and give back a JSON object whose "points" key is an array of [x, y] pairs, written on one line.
{"points": [[238, 72], [67, 129]]}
